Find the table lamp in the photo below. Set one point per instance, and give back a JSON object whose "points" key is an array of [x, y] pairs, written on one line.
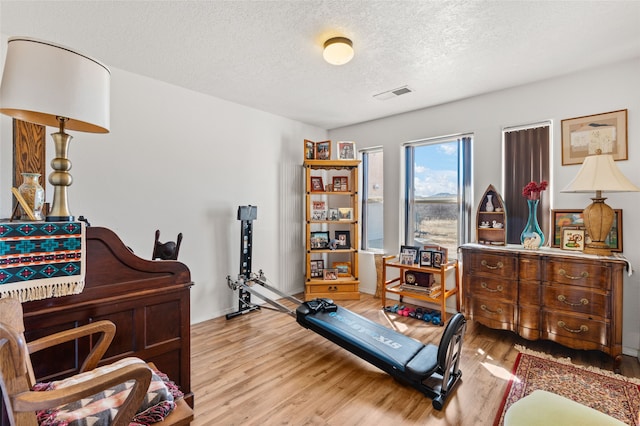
{"points": [[599, 173], [52, 85]]}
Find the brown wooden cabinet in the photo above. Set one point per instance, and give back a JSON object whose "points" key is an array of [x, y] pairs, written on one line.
{"points": [[573, 299], [149, 301], [331, 198]]}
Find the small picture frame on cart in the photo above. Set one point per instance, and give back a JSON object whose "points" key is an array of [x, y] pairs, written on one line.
{"points": [[425, 258], [437, 258], [413, 251]]}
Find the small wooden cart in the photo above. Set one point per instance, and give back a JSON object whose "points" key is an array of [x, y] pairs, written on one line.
{"points": [[395, 285]]}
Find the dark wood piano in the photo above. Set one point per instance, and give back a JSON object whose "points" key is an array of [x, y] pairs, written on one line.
{"points": [[147, 300]]}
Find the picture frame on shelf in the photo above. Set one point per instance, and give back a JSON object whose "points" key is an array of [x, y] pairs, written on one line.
{"points": [[561, 218], [406, 258], [330, 274], [340, 183], [323, 150], [319, 240], [343, 268], [346, 150], [583, 136], [316, 184], [333, 214], [425, 258], [316, 268], [435, 247], [344, 239], [413, 250], [437, 258], [319, 210], [572, 238], [309, 150], [345, 213]]}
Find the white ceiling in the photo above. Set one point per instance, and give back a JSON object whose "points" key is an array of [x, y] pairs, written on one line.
{"points": [[268, 54]]}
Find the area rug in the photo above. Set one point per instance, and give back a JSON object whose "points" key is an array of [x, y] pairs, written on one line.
{"points": [[613, 394]]}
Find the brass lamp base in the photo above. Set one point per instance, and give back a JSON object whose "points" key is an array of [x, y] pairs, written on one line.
{"points": [[600, 249], [60, 178], [598, 219]]}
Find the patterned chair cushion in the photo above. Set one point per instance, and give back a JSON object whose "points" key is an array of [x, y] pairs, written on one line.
{"points": [[102, 407]]}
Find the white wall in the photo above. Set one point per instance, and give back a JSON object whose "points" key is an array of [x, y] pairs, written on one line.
{"points": [[600, 90], [180, 161]]}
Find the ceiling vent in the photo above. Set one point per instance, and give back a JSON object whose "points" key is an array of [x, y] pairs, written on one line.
{"points": [[393, 93]]}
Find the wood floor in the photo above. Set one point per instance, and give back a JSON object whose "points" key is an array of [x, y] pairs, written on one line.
{"points": [[263, 368]]}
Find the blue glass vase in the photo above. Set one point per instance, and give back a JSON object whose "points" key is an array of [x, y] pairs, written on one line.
{"points": [[532, 236]]}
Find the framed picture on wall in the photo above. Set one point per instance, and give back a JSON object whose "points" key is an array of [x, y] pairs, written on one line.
{"points": [[583, 136]]}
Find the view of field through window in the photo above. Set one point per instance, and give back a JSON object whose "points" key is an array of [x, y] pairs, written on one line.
{"points": [[436, 198]]}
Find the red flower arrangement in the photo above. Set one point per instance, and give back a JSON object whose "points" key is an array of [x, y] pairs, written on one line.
{"points": [[532, 190]]}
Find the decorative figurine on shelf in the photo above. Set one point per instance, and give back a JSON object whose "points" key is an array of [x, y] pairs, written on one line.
{"points": [[532, 236], [497, 225], [489, 206]]}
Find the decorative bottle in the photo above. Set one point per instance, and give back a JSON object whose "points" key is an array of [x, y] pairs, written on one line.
{"points": [[532, 236], [33, 194], [489, 206]]}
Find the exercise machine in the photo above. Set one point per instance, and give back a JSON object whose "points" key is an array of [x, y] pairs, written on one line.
{"points": [[432, 370]]}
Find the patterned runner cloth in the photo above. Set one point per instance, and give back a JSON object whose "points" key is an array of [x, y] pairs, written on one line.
{"points": [[39, 260]]}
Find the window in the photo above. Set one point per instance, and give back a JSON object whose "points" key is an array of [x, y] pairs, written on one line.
{"points": [[437, 192], [526, 159], [372, 200]]}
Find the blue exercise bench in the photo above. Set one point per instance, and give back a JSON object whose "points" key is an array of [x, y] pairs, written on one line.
{"points": [[433, 370]]}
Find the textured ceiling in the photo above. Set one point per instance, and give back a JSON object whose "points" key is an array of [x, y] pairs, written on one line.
{"points": [[268, 54]]}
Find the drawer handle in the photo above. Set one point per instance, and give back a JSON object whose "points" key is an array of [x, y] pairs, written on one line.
{"points": [[497, 311], [583, 328], [333, 288], [498, 289], [583, 274], [563, 299], [499, 265]]}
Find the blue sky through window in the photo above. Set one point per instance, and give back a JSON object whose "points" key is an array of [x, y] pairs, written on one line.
{"points": [[436, 169]]}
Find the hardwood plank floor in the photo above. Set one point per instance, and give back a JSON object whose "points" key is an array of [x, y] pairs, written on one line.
{"points": [[263, 368]]}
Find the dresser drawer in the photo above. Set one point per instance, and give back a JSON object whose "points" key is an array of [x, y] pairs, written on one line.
{"points": [[558, 297], [578, 273], [492, 264], [575, 331], [487, 288], [331, 288], [492, 312]]}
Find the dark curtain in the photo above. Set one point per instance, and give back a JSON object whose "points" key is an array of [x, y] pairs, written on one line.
{"points": [[526, 159]]}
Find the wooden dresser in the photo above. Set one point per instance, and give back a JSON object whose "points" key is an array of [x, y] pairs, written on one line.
{"points": [[149, 302], [567, 297]]}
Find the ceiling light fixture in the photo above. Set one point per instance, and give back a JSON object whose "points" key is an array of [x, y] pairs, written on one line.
{"points": [[338, 50]]}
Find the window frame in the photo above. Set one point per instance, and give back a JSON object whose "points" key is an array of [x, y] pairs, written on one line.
{"points": [[364, 193], [464, 183]]}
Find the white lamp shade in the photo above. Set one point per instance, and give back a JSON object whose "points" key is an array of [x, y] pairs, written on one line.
{"points": [[43, 81], [338, 50], [600, 173]]}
